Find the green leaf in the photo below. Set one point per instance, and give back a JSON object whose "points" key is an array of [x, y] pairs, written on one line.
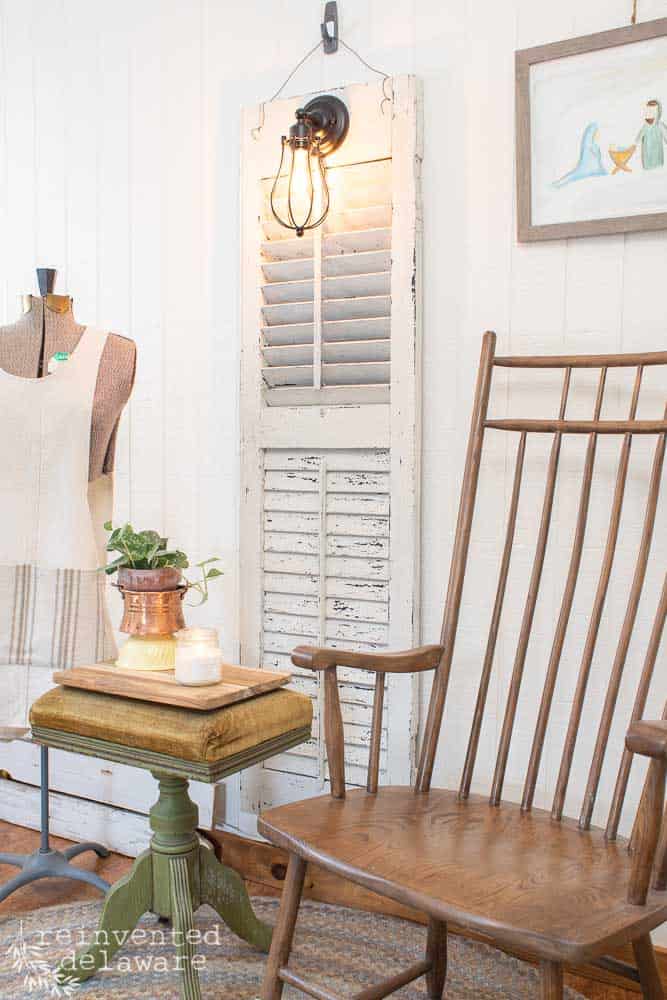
{"points": [[174, 558], [151, 537], [108, 526], [212, 573], [116, 564], [113, 540], [152, 554]]}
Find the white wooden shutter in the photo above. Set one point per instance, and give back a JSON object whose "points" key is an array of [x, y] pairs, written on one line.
{"points": [[330, 428]]}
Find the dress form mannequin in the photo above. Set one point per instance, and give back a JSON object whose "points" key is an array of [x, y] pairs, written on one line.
{"points": [[86, 394], [68, 599], [51, 317]]}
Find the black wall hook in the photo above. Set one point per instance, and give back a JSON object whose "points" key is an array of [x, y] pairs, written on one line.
{"points": [[330, 27]]}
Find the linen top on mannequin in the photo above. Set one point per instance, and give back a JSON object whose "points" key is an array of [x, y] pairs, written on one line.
{"points": [[20, 345], [57, 454]]}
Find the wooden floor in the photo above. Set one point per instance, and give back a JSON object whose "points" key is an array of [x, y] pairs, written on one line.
{"points": [[51, 892]]}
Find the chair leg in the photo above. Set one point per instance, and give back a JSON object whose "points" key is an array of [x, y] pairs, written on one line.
{"points": [[552, 981], [283, 935], [436, 952], [648, 969]]}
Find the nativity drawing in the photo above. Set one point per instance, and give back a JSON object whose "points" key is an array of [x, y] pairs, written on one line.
{"points": [[650, 141]]}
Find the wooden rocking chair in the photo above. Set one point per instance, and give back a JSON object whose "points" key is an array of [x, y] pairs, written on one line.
{"points": [[558, 890]]}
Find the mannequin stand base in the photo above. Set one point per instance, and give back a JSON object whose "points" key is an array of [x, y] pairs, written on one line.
{"points": [[172, 879], [47, 862], [52, 864]]}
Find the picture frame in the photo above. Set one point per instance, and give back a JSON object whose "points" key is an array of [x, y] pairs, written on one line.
{"points": [[570, 180]]}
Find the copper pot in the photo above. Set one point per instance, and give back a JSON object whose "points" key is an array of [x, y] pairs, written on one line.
{"points": [[152, 612]]}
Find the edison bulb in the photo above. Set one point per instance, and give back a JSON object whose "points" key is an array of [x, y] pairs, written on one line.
{"points": [[301, 189]]}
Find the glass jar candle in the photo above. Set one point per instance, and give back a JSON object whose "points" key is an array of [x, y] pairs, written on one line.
{"points": [[198, 657]]}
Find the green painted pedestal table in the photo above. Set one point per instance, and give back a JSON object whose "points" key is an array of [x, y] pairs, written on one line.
{"points": [[176, 874]]}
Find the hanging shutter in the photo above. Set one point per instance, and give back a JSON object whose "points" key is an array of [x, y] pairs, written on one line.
{"points": [[330, 429]]}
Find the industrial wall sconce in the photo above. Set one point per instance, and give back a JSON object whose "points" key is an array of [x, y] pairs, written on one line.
{"points": [[320, 127]]}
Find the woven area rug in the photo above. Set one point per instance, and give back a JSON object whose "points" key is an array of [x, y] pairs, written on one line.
{"points": [[344, 950]]}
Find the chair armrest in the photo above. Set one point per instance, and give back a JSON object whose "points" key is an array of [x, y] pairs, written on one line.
{"points": [[649, 739], [322, 658], [327, 660]]}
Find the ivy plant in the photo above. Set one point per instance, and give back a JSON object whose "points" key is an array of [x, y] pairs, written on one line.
{"points": [[150, 550]]}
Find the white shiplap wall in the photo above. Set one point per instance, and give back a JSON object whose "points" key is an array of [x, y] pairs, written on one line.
{"points": [[119, 152]]}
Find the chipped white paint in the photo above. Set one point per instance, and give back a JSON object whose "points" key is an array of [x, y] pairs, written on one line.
{"points": [[322, 608]]}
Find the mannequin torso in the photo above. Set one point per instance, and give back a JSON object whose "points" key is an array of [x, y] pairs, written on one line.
{"points": [[20, 347]]}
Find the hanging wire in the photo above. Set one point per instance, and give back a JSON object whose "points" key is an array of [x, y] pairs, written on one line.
{"points": [[386, 79], [258, 129], [387, 98]]}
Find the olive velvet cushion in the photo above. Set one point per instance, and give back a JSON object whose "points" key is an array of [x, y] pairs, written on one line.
{"points": [[204, 737]]}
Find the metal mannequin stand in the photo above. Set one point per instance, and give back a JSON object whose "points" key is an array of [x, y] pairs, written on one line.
{"points": [[47, 862]]}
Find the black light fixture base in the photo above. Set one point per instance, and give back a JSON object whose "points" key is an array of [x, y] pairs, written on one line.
{"points": [[330, 121]]}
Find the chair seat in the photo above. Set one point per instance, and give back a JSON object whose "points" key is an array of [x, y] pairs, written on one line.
{"points": [[522, 878]]}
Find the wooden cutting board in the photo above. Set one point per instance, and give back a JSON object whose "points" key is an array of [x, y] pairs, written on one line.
{"points": [[237, 684]]}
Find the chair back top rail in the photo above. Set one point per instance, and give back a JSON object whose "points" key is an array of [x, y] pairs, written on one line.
{"points": [[636, 567], [579, 426], [583, 360]]}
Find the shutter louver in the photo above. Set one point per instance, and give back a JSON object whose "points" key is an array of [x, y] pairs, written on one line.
{"points": [[326, 298], [326, 581]]}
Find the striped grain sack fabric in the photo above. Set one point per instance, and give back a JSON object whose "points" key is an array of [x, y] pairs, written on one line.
{"points": [[53, 611]]}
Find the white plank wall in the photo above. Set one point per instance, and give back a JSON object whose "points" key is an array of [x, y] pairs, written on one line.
{"points": [[119, 152]]}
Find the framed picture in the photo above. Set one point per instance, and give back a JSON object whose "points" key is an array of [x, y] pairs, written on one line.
{"points": [[591, 119]]}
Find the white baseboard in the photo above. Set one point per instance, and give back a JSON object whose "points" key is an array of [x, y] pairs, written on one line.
{"points": [[76, 819]]}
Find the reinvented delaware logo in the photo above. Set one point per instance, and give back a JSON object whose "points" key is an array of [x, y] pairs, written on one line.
{"points": [[39, 978]]}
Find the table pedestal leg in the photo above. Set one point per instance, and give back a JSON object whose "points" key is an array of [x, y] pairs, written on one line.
{"points": [[172, 880], [125, 904], [224, 890], [182, 916]]}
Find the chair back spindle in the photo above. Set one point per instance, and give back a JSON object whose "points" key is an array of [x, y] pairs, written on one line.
{"points": [[376, 735], [531, 601], [637, 713], [624, 639], [565, 608], [333, 733], [473, 743], [459, 561], [596, 612]]}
